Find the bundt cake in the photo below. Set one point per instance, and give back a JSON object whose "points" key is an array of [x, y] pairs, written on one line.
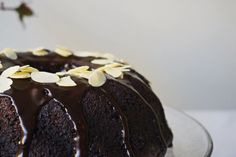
{"points": [[66, 103]]}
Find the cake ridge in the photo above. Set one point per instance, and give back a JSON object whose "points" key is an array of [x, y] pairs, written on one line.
{"points": [[124, 120], [54, 129], [143, 102], [101, 120], [147, 103], [154, 101]]}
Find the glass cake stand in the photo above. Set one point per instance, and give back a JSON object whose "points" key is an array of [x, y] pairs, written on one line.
{"points": [[191, 139]]}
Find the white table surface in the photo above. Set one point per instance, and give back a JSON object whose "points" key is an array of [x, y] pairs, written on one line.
{"points": [[221, 124]]}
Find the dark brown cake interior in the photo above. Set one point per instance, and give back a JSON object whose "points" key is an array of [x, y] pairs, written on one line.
{"points": [[11, 132], [54, 133]]}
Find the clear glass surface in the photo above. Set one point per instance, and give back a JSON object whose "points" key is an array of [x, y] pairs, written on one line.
{"points": [[191, 139]]}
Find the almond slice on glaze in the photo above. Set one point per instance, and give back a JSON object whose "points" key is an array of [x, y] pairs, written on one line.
{"points": [[102, 61], [97, 78], [63, 51], [62, 73], [9, 53], [39, 51], [28, 69], [44, 77], [87, 54], [114, 72], [85, 74], [78, 69], [20, 75], [66, 82], [112, 65], [10, 71], [5, 84]]}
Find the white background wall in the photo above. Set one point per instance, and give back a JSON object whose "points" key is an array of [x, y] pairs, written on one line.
{"points": [[187, 48]]}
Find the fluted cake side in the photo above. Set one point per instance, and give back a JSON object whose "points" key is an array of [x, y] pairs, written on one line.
{"points": [[121, 117]]}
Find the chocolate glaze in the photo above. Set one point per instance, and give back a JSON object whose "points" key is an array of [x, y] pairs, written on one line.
{"points": [[30, 96]]}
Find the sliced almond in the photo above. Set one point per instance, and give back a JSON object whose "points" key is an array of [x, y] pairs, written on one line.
{"points": [[5, 84], [78, 69], [126, 67], [124, 70], [10, 71], [85, 74], [87, 54], [101, 68], [112, 65], [97, 78], [62, 73], [1, 66], [44, 77], [66, 82], [20, 75], [6, 81], [62, 51], [28, 69], [114, 72], [115, 69], [9, 53], [4, 88], [102, 61], [39, 52]]}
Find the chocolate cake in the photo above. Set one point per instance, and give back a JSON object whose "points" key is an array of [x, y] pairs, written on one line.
{"points": [[67, 103]]}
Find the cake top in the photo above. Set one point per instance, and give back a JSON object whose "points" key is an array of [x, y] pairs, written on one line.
{"points": [[96, 68]]}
